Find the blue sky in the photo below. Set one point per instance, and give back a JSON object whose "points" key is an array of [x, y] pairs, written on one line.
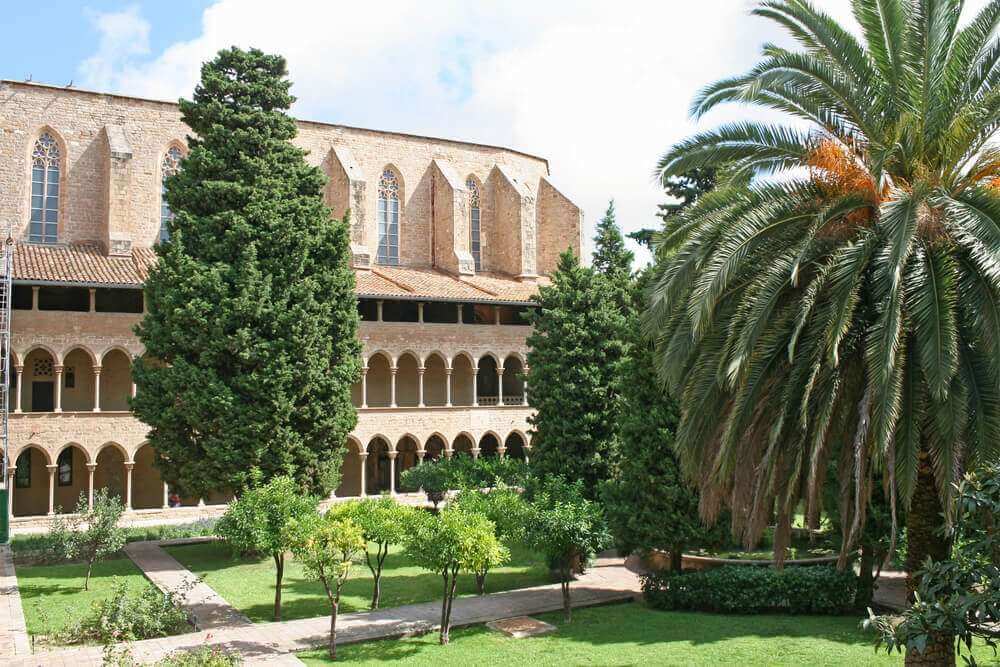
{"points": [[599, 88]]}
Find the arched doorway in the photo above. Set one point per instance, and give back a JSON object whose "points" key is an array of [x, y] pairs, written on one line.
{"points": [[462, 446], [116, 382], [38, 390], [78, 382], [435, 381], [350, 472], [31, 482], [487, 381], [378, 381], [406, 455], [434, 449], [513, 381], [72, 478], [462, 380], [407, 382], [489, 445], [147, 485], [515, 446], [110, 472], [377, 473]]}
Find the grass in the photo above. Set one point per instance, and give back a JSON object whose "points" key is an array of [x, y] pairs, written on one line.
{"points": [[248, 584], [632, 634], [53, 597]]}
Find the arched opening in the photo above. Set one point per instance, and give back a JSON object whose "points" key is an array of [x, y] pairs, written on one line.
{"points": [[356, 396], [71, 478], [116, 381], [515, 446], [406, 455], [462, 378], [489, 445], [110, 472], [487, 381], [31, 482], [378, 381], [78, 382], [513, 381], [147, 485], [434, 449], [350, 472], [407, 388], [39, 391], [462, 445], [435, 381], [377, 472]]}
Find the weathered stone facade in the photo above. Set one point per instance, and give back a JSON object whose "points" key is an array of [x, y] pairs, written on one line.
{"points": [[432, 386]]}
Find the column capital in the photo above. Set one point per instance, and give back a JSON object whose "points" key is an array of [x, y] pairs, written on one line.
{"points": [[363, 455], [52, 467], [499, 370], [19, 368], [392, 453], [97, 369], [421, 452], [393, 369], [421, 369], [129, 465], [448, 370], [91, 467], [57, 369], [364, 369]]}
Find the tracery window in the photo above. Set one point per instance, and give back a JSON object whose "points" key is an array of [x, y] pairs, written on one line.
{"points": [[45, 168], [171, 165], [388, 218], [22, 470], [476, 239], [65, 467]]}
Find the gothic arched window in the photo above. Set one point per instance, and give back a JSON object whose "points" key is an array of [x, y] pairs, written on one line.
{"points": [[388, 218], [45, 169], [171, 165], [475, 234]]}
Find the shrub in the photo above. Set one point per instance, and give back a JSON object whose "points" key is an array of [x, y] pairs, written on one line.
{"points": [[206, 656], [129, 616], [738, 589], [93, 533], [464, 472]]}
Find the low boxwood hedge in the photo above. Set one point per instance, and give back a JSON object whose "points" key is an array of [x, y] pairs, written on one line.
{"points": [[738, 589]]}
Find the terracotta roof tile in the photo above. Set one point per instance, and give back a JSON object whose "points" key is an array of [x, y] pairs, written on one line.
{"points": [[87, 264]]}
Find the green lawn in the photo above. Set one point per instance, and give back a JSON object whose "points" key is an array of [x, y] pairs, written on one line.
{"points": [[248, 585], [632, 634], [53, 595]]}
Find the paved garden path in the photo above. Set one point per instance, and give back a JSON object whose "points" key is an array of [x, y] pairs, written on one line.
{"points": [[609, 580], [208, 609], [14, 639]]}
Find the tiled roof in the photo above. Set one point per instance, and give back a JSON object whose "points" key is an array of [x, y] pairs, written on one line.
{"points": [[88, 265]]}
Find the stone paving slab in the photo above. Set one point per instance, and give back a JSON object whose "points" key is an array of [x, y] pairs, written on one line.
{"points": [[608, 581], [14, 640], [208, 609]]}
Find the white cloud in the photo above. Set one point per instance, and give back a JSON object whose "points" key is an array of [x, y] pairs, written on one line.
{"points": [[599, 88]]}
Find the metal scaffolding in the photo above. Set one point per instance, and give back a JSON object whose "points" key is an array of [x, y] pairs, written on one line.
{"points": [[6, 295]]}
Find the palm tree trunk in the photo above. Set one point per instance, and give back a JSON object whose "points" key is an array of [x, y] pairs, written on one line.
{"points": [[924, 540]]}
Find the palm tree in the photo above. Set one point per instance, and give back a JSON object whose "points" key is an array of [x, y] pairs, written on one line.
{"points": [[835, 302]]}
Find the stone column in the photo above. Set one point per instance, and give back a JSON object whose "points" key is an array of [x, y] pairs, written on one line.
{"points": [[34, 297], [378, 310], [52, 487], [475, 386], [363, 457], [97, 388], [447, 387], [201, 502], [10, 491], [524, 388], [420, 312], [133, 390], [58, 371], [499, 385], [496, 315], [501, 450], [527, 450], [364, 386], [166, 496], [20, 389], [128, 484], [93, 299], [459, 307], [392, 472], [448, 452], [91, 467], [420, 386], [392, 385], [420, 456], [475, 453]]}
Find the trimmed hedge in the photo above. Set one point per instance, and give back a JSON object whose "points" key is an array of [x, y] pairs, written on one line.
{"points": [[737, 589]]}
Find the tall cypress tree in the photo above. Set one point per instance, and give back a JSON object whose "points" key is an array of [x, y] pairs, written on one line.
{"points": [[577, 349], [252, 323]]}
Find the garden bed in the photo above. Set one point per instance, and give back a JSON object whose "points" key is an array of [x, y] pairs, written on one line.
{"points": [[248, 583]]}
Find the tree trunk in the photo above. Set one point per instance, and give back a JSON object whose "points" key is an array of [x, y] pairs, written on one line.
{"points": [[86, 582], [567, 606], [676, 558], [377, 590], [449, 598], [481, 583], [333, 631], [923, 525], [443, 636], [279, 568], [866, 580]]}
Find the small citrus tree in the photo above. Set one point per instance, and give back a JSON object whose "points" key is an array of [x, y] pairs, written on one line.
{"points": [[383, 522], [327, 546], [256, 523], [451, 542], [506, 508], [566, 527], [93, 533]]}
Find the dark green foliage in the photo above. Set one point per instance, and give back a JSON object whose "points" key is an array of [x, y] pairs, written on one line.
{"points": [[611, 258], [741, 589], [648, 503], [687, 188], [251, 332], [577, 350], [464, 472], [129, 616], [958, 597]]}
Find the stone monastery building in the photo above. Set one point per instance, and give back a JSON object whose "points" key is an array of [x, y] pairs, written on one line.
{"points": [[450, 241]]}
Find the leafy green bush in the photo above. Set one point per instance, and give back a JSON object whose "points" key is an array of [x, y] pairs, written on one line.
{"points": [[47, 548], [464, 472], [206, 656], [129, 616], [736, 589]]}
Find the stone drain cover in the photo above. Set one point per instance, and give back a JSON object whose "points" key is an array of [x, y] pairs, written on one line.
{"points": [[521, 626]]}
